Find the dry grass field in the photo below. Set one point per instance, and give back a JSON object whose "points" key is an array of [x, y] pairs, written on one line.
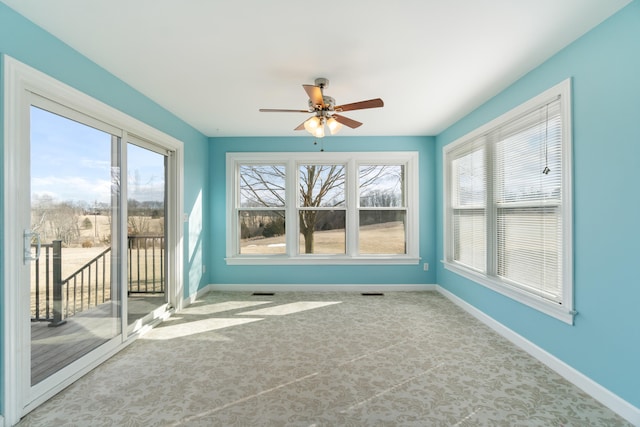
{"points": [[387, 238]]}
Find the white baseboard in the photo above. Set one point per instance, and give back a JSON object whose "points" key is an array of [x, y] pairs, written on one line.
{"points": [[318, 288], [186, 302], [598, 392]]}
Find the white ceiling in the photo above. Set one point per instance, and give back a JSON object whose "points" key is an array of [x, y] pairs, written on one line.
{"points": [[213, 63]]}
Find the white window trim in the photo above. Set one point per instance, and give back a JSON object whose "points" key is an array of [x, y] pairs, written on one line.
{"points": [[351, 159], [565, 311]]}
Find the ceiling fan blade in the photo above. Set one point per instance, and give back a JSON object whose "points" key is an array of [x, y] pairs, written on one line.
{"points": [[315, 94], [301, 126], [346, 121], [279, 110], [371, 103]]}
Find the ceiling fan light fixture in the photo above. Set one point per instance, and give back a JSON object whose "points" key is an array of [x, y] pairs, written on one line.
{"points": [[312, 124], [334, 125], [319, 132]]}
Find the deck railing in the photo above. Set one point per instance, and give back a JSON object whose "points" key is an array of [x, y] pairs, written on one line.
{"points": [[146, 264], [54, 299], [41, 298]]}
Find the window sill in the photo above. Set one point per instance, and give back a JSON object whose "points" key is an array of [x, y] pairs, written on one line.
{"points": [[321, 260], [547, 307]]}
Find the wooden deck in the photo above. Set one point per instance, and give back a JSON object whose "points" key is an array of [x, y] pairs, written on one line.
{"points": [[53, 348]]}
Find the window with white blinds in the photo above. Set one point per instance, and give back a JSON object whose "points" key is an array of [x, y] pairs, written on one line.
{"points": [[508, 207], [469, 208]]}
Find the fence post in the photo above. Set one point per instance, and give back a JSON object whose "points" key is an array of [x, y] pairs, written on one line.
{"points": [[57, 284]]}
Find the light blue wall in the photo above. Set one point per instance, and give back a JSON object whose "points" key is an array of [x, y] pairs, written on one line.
{"points": [[28, 43], [278, 274], [604, 344]]}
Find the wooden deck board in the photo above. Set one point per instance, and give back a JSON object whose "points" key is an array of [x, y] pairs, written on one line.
{"points": [[53, 348]]}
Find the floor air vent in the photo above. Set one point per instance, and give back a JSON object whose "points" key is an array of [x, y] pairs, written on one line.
{"points": [[375, 294], [263, 293]]}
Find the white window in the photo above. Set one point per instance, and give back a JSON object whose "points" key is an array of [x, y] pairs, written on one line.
{"points": [[322, 208], [508, 204]]}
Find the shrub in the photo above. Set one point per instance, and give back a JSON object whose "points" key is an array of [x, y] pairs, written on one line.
{"points": [[274, 228]]}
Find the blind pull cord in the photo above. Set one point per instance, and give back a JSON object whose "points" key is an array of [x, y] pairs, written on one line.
{"points": [[546, 169]]}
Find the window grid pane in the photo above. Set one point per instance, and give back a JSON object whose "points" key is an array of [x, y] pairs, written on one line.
{"points": [[528, 251], [469, 213], [382, 232], [322, 231], [521, 159], [321, 185], [469, 238], [381, 185], [262, 186], [262, 232]]}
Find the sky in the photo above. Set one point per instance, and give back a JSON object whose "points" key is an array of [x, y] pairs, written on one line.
{"points": [[72, 162]]}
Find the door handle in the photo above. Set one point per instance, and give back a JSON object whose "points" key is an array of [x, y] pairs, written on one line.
{"points": [[28, 236]]}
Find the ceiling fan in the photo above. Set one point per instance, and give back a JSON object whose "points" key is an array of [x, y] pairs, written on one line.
{"points": [[324, 109]]}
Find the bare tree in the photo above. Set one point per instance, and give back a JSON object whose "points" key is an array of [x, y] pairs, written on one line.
{"points": [[138, 225], [64, 222], [262, 185], [56, 219], [316, 183], [39, 208]]}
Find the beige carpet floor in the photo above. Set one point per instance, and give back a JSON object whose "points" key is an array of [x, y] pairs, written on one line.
{"points": [[322, 359]]}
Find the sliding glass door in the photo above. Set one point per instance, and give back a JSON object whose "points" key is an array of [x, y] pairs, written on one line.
{"points": [[78, 248], [73, 243], [98, 269], [92, 237], [146, 232]]}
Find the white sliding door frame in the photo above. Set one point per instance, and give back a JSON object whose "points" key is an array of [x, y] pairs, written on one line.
{"points": [[21, 82]]}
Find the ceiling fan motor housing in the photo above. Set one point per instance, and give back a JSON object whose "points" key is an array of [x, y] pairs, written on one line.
{"points": [[329, 104]]}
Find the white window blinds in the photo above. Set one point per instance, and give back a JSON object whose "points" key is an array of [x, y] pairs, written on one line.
{"points": [[508, 203], [527, 187], [469, 208]]}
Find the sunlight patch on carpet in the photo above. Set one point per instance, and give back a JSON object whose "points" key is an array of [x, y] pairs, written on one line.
{"points": [[192, 328], [294, 307], [221, 307]]}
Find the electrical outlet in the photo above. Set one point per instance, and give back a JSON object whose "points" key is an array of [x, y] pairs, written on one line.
{"points": [[425, 266], [204, 268]]}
